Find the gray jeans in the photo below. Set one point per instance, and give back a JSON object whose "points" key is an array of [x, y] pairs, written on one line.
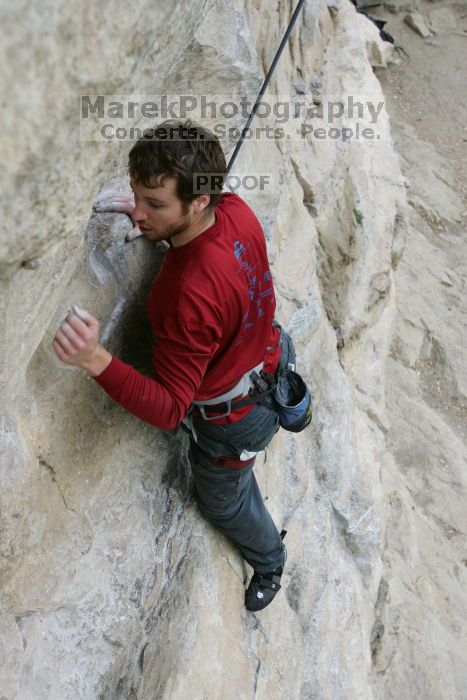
{"points": [[230, 497]]}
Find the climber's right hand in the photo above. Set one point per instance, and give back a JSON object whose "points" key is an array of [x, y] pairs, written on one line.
{"points": [[122, 203]]}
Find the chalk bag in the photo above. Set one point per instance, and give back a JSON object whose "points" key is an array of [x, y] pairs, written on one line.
{"points": [[292, 401]]}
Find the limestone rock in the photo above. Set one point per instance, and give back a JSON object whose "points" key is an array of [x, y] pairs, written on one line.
{"points": [[395, 6], [380, 53], [442, 20], [112, 583], [416, 22]]}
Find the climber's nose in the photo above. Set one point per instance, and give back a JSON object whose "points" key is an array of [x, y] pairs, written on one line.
{"points": [[140, 214]]}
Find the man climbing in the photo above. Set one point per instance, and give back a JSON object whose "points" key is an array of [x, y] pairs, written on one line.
{"points": [[211, 308]]}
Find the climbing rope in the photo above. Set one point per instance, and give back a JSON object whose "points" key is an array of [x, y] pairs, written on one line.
{"points": [[265, 83]]}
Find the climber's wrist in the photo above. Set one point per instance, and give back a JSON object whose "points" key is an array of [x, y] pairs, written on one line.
{"points": [[98, 361]]}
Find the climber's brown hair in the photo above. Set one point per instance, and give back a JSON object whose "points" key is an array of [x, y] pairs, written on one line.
{"points": [[178, 148]]}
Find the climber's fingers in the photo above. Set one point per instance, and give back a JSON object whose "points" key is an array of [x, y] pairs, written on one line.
{"points": [[87, 318], [60, 351], [134, 233], [71, 337], [61, 339], [115, 203], [82, 322]]}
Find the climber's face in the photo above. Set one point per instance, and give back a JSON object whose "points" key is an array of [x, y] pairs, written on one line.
{"points": [[161, 215]]}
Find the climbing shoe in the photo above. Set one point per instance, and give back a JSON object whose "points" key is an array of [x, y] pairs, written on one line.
{"points": [[263, 587]]}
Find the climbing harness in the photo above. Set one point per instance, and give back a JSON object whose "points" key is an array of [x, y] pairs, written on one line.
{"points": [[242, 388], [284, 392]]}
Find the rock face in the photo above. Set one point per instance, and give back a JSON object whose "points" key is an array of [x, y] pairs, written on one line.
{"points": [[417, 23], [112, 584]]}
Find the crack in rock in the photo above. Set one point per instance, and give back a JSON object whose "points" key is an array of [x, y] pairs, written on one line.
{"points": [[53, 474]]}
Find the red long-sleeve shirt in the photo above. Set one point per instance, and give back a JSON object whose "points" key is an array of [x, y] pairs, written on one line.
{"points": [[211, 308]]}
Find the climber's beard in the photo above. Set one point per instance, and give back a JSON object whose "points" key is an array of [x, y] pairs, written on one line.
{"points": [[168, 231], [184, 223], [182, 230]]}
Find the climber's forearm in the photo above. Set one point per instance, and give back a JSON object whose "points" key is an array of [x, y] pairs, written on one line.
{"points": [[146, 398]]}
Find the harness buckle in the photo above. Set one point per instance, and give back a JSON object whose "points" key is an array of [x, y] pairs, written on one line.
{"points": [[217, 415]]}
